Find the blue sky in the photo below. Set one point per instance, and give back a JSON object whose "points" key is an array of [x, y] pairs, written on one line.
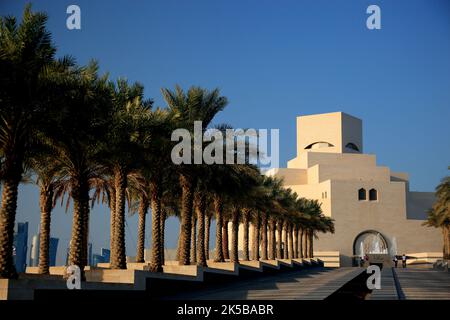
{"points": [[275, 60]]}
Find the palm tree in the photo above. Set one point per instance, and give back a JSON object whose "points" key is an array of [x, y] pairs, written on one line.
{"points": [[317, 222], [279, 237], [46, 171], [139, 203], [208, 218], [256, 236], [439, 214], [235, 218], [270, 202], [225, 234], [218, 209], [143, 208], [124, 154], [193, 258], [196, 105], [246, 225], [75, 138], [104, 192], [158, 171], [26, 51], [272, 238], [170, 203], [200, 208]]}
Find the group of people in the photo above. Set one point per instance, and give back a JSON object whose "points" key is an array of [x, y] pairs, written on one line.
{"points": [[403, 261], [363, 260]]}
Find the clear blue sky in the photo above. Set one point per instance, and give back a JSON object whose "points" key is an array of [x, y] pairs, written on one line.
{"points": [[275, 60]]}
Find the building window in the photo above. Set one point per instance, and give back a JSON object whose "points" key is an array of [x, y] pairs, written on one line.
{"points": [[362, 194], [320, 144], [325, 194], [352, 146], [373, 195]]}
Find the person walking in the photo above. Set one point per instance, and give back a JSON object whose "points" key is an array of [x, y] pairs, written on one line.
{"points": [[404, 261], [361, 262], [395, 261]]}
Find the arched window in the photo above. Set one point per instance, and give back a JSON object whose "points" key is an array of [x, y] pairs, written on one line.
{"points": [[362, 194], [319, 144], [352, 146], [373, 195]]}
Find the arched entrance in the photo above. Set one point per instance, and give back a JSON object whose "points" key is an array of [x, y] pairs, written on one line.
{"points": [[370, 242]]}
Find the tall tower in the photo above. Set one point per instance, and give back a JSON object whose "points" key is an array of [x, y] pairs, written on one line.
{"points": [[335, 132]]}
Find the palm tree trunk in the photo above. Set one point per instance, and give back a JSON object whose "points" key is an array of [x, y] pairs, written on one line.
{"points": [[142, 212], [246, 225], [305, 243], [264, 236], [234, 235], [7, 220], [207, 232], [112, 219], [300, 243], [180, 240], [118, 260], [226, 251], [296, 243], [155, 199], [285, 240], [272, 239], [162, 231], [280, 240], [187, 199], [86, 235], [80, 195], [448, 242], [194, 239], [446, 235], [291, 241], [200, 213], [256, 229], [219, 219], [46, 202], [311, 244]]}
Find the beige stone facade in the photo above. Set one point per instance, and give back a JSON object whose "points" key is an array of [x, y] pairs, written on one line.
{"points": [[363, 198]]}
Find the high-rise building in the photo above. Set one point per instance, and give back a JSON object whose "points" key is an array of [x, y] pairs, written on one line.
{"points": [[34, 252], [20, 246], [53, 251], [102, 257], [106, 253]]}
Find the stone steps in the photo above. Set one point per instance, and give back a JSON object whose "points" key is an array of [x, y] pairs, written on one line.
{"points": [[137, 276], [313, 284]]}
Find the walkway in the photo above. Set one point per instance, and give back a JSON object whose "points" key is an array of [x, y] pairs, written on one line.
{"points": [[424, 283], [308, 284], [413, 283]]}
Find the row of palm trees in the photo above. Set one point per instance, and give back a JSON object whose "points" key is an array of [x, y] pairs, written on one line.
{"points": [[87, 139]]}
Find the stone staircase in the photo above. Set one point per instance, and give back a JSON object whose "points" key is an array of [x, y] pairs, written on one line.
{"points": [[137, 277], [313, 284]]}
